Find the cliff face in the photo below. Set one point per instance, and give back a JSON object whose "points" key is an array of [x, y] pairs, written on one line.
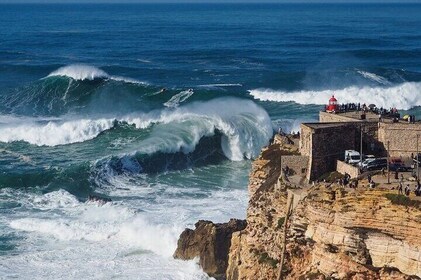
{"points": [[210, 242], [255, 251], [354, 234], [332, 233]]}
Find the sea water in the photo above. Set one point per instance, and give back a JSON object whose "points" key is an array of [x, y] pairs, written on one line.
{"points": [[161, 107]]}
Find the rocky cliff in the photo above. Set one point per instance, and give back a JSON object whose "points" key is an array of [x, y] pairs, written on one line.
{"points": [[331, 232], [210, 243]]}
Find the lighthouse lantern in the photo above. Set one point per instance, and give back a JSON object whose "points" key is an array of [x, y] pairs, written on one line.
{"points": [[332, 107]]}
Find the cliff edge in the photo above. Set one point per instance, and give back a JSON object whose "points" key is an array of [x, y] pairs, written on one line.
{"points": [[328, 232]]}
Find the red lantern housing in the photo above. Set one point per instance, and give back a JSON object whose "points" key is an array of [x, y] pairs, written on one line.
{"points": [[333, 105]]}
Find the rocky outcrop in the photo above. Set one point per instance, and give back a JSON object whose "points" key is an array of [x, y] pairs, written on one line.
{"points": [[210, 242]]}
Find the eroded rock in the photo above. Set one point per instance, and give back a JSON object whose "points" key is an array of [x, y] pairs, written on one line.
{"points": [[210, 242]]}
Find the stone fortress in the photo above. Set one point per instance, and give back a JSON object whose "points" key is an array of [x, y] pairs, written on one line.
{"points": [[322, 144]]}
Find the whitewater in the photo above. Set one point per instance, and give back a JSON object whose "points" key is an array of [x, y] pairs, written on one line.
{"points": [[161, 108], [83, 72], [403, 96], [60, 226]]}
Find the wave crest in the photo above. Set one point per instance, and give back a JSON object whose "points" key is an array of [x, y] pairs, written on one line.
{"points": [[245, 128], [55, 133], [375, 78], [403, 96], [82, 72]]}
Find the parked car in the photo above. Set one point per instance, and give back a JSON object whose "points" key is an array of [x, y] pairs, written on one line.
{"points": [[375, 164], [365, 162], [352, 157], [396, 164], [369, 157]]}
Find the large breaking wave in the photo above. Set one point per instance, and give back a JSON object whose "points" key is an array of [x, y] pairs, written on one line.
{"points": [[75, 89], [83, 72], [403, 96], [244, 128]]}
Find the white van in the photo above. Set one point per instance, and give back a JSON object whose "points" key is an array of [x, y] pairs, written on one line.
{"points": [[352, 157]]}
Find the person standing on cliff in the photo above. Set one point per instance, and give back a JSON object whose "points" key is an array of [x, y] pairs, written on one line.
{"points": [[384, 172], [407, 190], [400, 191]]}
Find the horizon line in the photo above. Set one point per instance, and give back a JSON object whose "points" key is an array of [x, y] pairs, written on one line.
{"points": [[219, 2]]}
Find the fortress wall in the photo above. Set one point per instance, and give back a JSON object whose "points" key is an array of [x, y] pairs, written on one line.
{"points": [[402, 138], [343, 167], [305, 140], [298, 164], [329, 117], [326, 144], [371, 142], [329, 144]]}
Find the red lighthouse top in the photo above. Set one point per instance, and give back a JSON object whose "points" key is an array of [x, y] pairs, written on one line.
{"points": [[333, 105]]}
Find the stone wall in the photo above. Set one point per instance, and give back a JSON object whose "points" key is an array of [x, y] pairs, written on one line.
{"points": [[329, 117], [324, 144], [402, 138], [329, 145], [305, 140], [298, 164], [343, 167]]}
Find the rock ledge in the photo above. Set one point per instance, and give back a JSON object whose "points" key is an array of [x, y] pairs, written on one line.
{"points": [[211, 243]]}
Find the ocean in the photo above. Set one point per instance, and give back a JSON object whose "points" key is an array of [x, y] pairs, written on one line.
{"points": [[161, 108]]}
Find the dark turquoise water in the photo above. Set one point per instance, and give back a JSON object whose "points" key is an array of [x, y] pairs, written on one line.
{"points": [[83, 111]]}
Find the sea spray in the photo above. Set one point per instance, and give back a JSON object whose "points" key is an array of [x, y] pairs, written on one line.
{"points": [[82, 72], [402, 96]]}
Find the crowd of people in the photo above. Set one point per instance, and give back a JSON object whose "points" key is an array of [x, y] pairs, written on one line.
{"points": [[347, 182], [353, 107], [407, 190], [349, 107]]}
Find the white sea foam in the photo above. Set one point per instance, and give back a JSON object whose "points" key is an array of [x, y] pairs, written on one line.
{"points": [[87, 72], [291, 125], [129, 238], [178, 98], [55, 199], [54, 133], [127, 80], [373, 77], [401, 96], [80, 72], [95, 223], [221, 85]]}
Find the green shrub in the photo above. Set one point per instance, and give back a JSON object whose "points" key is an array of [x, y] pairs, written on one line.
{"points": [[331, 177], [400, 199], [264, 258], [281, 222], [312, 276]]}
